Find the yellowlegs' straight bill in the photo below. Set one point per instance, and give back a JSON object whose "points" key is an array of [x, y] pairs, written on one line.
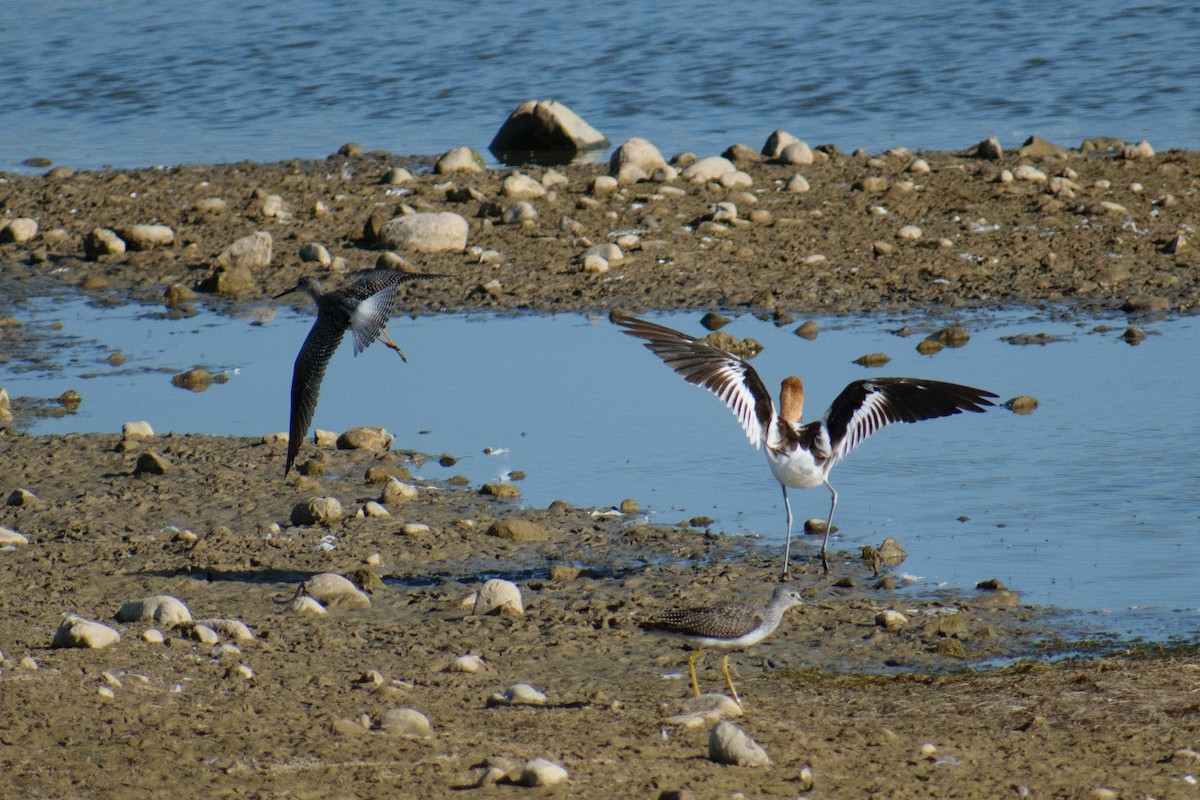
{"points": [[363, 307], [728, 625], [801, 455]]}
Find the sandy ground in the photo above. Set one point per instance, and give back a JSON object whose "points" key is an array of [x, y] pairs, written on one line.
{"points": [[843, 706]]}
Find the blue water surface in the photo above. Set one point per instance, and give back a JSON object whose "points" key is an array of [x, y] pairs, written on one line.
{"points": [[142, 84]]}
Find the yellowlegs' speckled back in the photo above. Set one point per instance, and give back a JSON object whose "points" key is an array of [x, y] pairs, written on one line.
{"points": [[728, 625], [362, 307], [801, 455]]}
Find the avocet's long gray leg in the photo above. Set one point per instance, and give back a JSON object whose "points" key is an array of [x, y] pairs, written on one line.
{"points": [[828, 526], [787, 548]]}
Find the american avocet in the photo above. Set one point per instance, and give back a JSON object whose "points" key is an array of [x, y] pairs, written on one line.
{"points": [[728, 625], [363, 307], [801, 455]]}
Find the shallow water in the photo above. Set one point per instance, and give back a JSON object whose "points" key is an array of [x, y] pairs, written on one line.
{"points": [[131, 84], [1090, 503]]}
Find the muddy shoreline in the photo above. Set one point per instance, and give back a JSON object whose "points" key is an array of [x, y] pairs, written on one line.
{"points": [[844, 704]]}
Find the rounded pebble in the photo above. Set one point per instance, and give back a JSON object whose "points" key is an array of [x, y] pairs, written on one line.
{"points": [[541, 772], [317, 511], [162, 609], [406, 722], [334, 590], [75, 631], [729, 744], [520, 694], [498, 595]]}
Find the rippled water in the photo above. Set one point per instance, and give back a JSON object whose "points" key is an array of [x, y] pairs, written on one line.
{"points": [[1092, 502], [136, 84]]}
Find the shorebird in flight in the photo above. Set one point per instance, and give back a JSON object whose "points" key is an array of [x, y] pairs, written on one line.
{"points": [[802, 454], [362, 307], [727, 625]]}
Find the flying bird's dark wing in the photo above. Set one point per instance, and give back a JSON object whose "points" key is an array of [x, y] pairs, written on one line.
{"points": [[705, 365], [318, 348], [369, 300], [865, 406]]}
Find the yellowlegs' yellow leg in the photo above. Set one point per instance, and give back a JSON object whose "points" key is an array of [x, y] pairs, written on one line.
{"points": [[387, 342], [692, 670], [729, 680]]}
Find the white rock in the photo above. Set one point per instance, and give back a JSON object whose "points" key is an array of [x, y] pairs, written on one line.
{"points": [[76, 631], [274, 207], [153, 636], [776, 142], [415, 529], [406, 722], [1030, 174], [365, 437], [920, 166], [608, 251], [212, 205], [396, 176], [229, 628], [204, 634], [553, 179], [397, 493], [518, 212], [335, 591], [10, 538], [315, 253], [103, 242], [429, 232], [137, 430], [736, 180], [459, 159], [521, 187], [519, 694], [307, 605], [910, 232], [796, 153], [603, 184], [540, 772], [19, 230], [147, 237], [324, 438], [636, 151], [797, 184], [253, 251], [729, 744], [545, 125], [724, 212], [470, 664], [160, 608], [596, 265], [1140, 150], [708, 169], [498, 595], [317, 511], [630, 174], [372, 508], [891, 620]]}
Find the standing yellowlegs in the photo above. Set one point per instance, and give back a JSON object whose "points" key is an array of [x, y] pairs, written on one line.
{"points": [[728, 625], [801, 455], [363, 307]]}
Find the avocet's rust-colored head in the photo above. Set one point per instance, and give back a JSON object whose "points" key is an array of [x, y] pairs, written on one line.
{"points": [[791, 399]]}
